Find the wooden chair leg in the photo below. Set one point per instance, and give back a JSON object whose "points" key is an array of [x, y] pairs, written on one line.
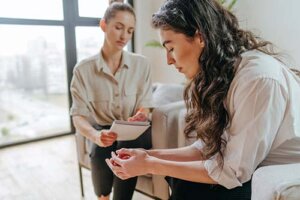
{"points": [[81, 180]]}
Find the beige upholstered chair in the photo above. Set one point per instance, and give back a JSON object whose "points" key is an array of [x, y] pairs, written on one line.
{"points": [[144, 185], [278, 182], [167, 119]]}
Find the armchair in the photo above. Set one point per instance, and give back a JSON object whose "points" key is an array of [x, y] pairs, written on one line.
{"points": [[167, 119]]}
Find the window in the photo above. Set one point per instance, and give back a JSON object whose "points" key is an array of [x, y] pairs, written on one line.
{"points": [[39, 48], [92, 8], [32, 9], [33, 85], [88, 41]]}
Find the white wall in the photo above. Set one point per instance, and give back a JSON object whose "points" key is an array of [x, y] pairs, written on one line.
{"points": [[274, 20], [144, 33]]}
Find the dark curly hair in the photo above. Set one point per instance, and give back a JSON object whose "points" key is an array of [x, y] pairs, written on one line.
{"points": [[224, 43]]}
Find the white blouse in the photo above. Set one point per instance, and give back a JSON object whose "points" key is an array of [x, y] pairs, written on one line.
{"points": [[264, 109]]}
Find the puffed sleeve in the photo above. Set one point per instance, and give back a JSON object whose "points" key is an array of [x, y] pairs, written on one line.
{"points": [[257, 110], [79, 97], [198, 144]]}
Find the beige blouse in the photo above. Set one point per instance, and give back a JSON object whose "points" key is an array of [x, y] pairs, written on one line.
{"points": [[105, 97], [264, 108]]}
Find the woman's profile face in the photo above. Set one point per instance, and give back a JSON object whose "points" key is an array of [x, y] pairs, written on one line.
{"points": [[183, 52], [118, 31]]}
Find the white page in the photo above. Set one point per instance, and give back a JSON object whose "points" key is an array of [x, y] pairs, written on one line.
{"points": [[129, 130]]}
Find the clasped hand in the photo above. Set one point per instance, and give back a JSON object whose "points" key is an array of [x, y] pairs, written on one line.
{"points": [[127, 163]]}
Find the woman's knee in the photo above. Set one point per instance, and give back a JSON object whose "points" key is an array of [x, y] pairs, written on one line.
{"points": [[101, 153]]}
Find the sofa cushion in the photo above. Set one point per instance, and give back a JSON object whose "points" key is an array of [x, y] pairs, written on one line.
{"points": [[289, 190], [166, 93], [278, 182]]}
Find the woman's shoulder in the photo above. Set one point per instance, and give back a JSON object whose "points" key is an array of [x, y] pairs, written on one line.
{"points": [[86, 62], [256, 64]]}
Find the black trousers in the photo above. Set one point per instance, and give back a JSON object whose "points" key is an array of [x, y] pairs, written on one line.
{"points": [[103, 178], [186, 190]]}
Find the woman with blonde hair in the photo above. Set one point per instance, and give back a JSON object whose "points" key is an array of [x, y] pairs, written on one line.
{"points": [[112, 85]]}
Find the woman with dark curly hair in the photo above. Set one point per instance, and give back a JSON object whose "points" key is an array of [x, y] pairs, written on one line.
{"points": [[242, 102]]}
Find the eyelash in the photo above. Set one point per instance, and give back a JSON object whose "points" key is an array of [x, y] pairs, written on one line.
{"points": [[171, 50], [119, 28]]}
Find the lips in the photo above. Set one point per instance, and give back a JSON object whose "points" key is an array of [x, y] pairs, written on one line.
{"points": [[179, 69], [121, 43]]}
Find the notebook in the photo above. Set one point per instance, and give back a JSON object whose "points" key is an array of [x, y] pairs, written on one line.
{"points": [[129, 130]]}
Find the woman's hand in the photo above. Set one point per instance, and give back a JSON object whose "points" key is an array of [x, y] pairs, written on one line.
{"points": [[129, 163], [106, 138], [140, 115]]}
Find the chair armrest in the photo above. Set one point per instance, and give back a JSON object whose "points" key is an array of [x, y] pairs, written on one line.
{"points": [[167, 132], [276, 182], [82, 152], [167, 125]]}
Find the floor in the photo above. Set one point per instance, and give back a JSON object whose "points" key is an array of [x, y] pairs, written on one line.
{"points": [[44, 170]]}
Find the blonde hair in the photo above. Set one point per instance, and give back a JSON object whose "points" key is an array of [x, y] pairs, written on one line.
{"points": [[112, 1], [115, 7]]}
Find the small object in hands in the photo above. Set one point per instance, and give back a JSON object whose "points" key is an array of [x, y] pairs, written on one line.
{"points": [[123, 157], [141, 110], [114, 163]]}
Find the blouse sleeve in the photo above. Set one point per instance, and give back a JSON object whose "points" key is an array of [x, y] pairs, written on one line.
{"points": [[198, 144], [256, 113], [79, 97]]}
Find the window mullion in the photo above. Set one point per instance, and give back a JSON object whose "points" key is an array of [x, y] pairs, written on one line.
{"points": [[69, 7]]}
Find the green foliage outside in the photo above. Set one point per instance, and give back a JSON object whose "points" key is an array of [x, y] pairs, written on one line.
{"points": [[11, 117], [229, 5], [5, 131]]}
